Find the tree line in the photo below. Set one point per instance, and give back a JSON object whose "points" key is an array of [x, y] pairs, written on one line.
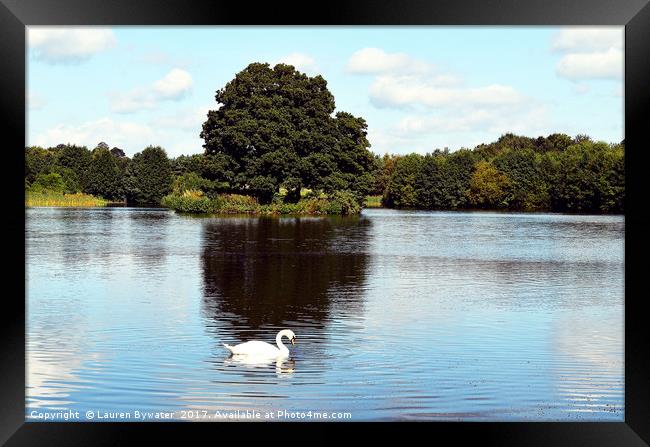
{"points": [[555, 173], [102, 172]]}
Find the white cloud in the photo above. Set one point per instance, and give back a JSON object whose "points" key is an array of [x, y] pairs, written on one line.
{"points": [[392, 140], [589, 53], [419, 124], [174, 86], [301, 61], [133, 101], [180, 130], [528, 119], [377, 61], [441, 106], [402, 81], [438, 91], [184, 145], [35, 101], [132, 137], [178, 133], [587, 39], [456, 128], [597, 65], [184, 119], [56, 45]]}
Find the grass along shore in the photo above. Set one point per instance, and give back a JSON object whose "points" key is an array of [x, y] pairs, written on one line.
{"points": [[54, 198], [196, 202]]}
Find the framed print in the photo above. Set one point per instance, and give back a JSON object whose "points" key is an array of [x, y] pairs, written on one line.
{"points": [[431, 212]]}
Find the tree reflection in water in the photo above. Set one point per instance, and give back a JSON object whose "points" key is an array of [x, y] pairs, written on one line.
{"points": [[264, 273]]}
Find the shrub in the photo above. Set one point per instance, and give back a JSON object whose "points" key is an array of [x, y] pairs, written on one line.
{"points": [[235, 204], [191, 201], [343, 202], [194, 201]]}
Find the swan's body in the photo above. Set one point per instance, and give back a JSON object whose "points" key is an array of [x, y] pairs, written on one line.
{"points": [[262, 349]]}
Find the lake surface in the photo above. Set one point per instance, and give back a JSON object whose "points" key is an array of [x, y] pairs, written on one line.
{"points": [[399, 315]]}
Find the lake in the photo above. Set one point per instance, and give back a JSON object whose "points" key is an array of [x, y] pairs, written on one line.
{"points": [[399, 315]]}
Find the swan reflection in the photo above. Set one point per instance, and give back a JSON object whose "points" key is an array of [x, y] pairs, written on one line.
{"points": [[283, 366]]}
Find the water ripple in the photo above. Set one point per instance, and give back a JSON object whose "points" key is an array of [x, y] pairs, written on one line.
{"points": [[399, 315]]}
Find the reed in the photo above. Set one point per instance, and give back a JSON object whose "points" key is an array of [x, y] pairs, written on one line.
{"points": [[51, 198]]}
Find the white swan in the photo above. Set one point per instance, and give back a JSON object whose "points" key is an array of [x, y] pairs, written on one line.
{"points": [[262, 349]]}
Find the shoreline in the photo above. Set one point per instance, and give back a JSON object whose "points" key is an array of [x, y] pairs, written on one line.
{"points": [[276, 214]]}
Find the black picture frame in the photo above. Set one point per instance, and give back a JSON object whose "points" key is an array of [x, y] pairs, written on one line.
{"points": [[15, 15]]}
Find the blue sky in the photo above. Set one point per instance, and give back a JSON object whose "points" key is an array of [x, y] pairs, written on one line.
{"points": [[419, 88]]}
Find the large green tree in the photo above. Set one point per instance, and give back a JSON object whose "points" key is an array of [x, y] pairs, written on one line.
{"points": [[275, 128]]}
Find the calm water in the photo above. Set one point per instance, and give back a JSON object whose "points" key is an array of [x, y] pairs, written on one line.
{"points": [[399, 315]]}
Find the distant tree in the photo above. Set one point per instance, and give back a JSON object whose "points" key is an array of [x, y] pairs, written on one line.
{"points": [[505, 142], [401, 191], [581, 138], [102, 146], [37, 161], [459, 170], [488, 186], [191, 181], [117, 152], [521, 167], [440, 183], [382, 170], [104, 178], [555, 142], [614, 181], [589, 176], [186, 163], [78, 159], [69, 178], [432, 181], [148, 176]]}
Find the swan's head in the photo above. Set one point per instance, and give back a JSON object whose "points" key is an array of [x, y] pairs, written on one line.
{"points": [[289, 334]]}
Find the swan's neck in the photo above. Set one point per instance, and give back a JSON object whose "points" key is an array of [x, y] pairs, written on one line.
{"points": [[278, 341]]}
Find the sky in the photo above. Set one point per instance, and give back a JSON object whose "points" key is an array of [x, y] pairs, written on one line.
{"points": [[419, 88]]}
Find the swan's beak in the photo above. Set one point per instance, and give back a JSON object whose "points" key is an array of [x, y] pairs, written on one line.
{"points": [[293, 341]]}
